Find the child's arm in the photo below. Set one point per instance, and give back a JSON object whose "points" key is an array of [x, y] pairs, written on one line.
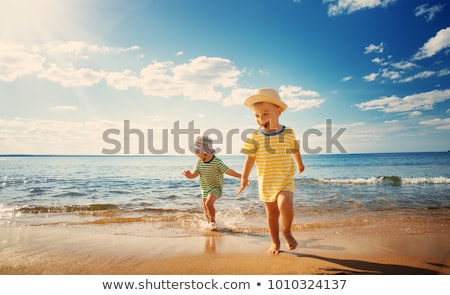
{"points": [[299, 162], [189, 174], [233, 173], [248, 166]]}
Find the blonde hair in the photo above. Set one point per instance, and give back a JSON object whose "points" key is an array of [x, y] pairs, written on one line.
{"points": [[260, 103]]}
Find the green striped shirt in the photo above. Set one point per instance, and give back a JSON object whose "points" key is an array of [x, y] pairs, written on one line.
{"points": [[211, 176]]}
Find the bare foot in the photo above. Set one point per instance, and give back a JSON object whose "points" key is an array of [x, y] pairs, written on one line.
{"points": [[290, 241], [213, 226], [275, 249]]}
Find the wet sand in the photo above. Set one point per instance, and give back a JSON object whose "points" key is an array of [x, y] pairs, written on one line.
{"points": [[382, 249]]}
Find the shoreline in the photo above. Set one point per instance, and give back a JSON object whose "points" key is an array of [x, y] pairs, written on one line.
{"points": [[385, 248]]}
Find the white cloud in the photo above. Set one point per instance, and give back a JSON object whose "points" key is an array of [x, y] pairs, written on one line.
{"points": [[443, 72], [415, 102], [348, 78], [440, 124], [202, 76], [415, 114], [299, 99], [292, 92], [77, 48], [371, 77], [33, 136], [303, 104], [16, 61], [354, 124], [200, 79], [40, 60], [374, 48], [71, 77], [349, 6], [404, 65], [428, 12], [392, 75], [421, 75], [156, 79], [377, 60], [295, 97], [435, 44], [121, 80], [395, 71], [237, 96]]}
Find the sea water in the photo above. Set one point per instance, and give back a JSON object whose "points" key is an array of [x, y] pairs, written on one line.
{"points": [[92, 190]]}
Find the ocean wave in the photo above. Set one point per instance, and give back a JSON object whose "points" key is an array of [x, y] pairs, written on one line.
{"points": [[420, 180], [67, 209], [98, 209], [385, 180]]}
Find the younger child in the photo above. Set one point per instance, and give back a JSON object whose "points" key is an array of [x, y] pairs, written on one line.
{"points": [[211, 171], [274, 149]]}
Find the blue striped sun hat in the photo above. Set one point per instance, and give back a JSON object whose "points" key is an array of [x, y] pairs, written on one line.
{"points": [[203, 144]]}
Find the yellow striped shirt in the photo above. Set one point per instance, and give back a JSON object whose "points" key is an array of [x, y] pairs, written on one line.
{"points": [[275, 165]]}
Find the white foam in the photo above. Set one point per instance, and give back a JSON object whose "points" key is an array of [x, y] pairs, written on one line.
{"points": [[423, 180]]}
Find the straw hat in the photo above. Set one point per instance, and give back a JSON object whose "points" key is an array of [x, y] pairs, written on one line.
{"points": [[266, 95], [203, 144]]}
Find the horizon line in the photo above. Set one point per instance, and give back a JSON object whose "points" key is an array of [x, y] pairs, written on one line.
{"points": [[185, 155]]}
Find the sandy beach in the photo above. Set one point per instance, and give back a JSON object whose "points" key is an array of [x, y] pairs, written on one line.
{"points": [[386, 248]]}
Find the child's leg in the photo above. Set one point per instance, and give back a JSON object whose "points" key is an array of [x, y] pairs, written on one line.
{"points": [[209, 207], [286, 207], [205, 209], [272, 214]]}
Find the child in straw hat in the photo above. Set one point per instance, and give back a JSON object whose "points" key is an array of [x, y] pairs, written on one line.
{"points": [[276, 153], [211, 170]]}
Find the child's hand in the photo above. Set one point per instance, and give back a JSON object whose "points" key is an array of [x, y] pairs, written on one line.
{"points": [[188, 174], [244, 183], [301, 168]]}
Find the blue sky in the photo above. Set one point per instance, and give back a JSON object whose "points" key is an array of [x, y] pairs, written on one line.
{"points": [[72, 71]]}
